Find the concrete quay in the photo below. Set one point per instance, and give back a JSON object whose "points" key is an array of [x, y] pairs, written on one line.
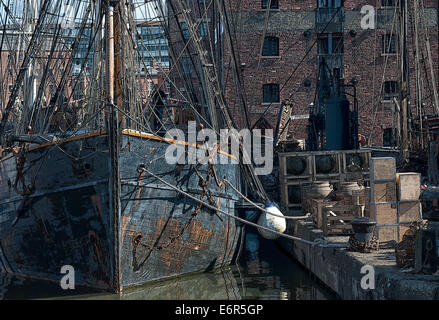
{"points": [[340, 269]]}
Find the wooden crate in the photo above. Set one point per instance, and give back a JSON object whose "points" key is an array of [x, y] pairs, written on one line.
{"points": [[384, 213], [382, 168], [341, 223], [409, 211], [360, 196], [309, 175], [317, 206], [335, 172], [286, 204], [363, 155], [387, 233], [394, 219], [383, 191], [409, 185], [284, 159]]}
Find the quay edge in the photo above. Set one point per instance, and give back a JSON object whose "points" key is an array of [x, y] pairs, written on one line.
{"points": [[340, 269]]}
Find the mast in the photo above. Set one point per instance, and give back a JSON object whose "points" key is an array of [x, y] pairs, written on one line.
{"points": [[404, 82], [215, 94], [29, 86], [113, 135]]}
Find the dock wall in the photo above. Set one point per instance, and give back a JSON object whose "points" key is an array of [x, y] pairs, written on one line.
{"points": [[340, 269]]}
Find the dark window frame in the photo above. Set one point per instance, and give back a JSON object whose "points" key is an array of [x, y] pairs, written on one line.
{"points": [[328, 4], [388, 3], [185, 30], [387, 39], [186, 65], [270, 93], [204, 32], [388, 137], [270, 47], [390, 90], [273, 5], [337, 44]]}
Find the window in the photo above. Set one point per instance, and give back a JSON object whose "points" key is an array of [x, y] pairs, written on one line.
{"points": [[387, 3], [271, 93], [329, 44], [337, 44], [273, 5], [388, 44], [186, 64], [322, 46], [388, 137], [271, 46], [329, 3], [185, 30], [203, 29], [390, 90]]}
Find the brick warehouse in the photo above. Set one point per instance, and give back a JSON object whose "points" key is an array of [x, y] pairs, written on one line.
{"points": [[295, 27]]}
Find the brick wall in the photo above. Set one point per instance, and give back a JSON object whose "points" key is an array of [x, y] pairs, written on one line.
{"points": [[362, 59]]}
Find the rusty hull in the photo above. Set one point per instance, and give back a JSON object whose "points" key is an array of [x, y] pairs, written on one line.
{"points": [[54, 211]]}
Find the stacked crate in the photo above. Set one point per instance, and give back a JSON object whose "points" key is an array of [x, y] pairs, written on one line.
{"points": [[291, 183], [409, 205], [383, 203]]}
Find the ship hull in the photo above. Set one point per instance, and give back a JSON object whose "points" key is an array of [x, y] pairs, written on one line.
{"points": [[55, 211]]}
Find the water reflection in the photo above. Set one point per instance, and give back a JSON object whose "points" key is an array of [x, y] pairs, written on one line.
{"points": [[262, 272], [268, 273]]}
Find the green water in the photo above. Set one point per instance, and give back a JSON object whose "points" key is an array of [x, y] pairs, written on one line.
{"points": [[263, 271]]}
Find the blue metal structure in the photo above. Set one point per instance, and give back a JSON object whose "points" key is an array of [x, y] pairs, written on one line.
{"points": [[332, 125]]}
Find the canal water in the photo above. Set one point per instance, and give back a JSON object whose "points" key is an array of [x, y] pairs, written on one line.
{"points": [[263, 271]]}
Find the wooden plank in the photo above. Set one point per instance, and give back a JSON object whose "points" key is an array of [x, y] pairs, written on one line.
{"points": [[342, 217], [409, 185], [336, 208]]}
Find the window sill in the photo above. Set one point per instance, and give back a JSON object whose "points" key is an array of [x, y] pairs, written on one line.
{"points": [[269, 103], [269, 57], [270, 10], [389, 54]]}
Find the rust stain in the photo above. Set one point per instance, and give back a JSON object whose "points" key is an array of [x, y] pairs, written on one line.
{"points": [[132, 231], [125, 221], [97, 203], [199, 235], [139, 191]]}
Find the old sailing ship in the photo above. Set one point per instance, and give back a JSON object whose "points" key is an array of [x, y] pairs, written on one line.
{"points": [[79, 192]]}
